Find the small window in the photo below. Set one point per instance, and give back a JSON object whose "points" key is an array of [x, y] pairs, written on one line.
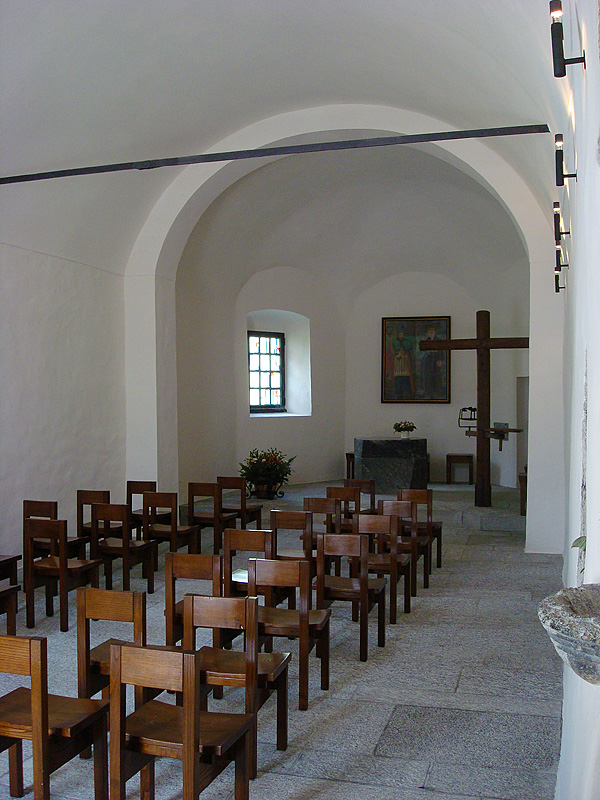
{"points": [[266, 371]]}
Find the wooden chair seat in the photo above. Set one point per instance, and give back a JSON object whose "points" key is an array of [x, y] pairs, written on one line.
{"points": [[227, 666], [8, 568], [280, 621], [100, 656], [50, 564], [75, 546], [157, 729], [339, 587], [67, 716]]}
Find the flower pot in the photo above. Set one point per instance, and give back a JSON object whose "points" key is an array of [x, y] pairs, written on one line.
{"points": [[405, 434], [267, 491]]}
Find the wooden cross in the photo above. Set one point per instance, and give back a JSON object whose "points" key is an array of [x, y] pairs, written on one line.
{"points": [[483, 344]]}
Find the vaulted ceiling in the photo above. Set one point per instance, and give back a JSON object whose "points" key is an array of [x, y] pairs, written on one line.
{"points": [[98, 82]]}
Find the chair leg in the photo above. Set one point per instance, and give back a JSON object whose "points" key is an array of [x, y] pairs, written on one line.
{"points": [[381, 619], [30, 604], [242, 774], [303, 674], [101, 759], [325, 658], [64, 606], [439, 549], [281, 688], [426, 566], [149, 571], [50, 592], [15, 767], [413, 574], [407, 582], [393, 598], [108, 575], [364, 631], [147, 782]]}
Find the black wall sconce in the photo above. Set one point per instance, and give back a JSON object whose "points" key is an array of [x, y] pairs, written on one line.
{"points": [[558, 51], [558, 232], [557, 287], [558, 269], [560, 162]]}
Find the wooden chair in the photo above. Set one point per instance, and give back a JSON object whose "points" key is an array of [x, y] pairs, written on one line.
{"points": [[365, 593], [384, 558], [136, 516], [366, 486], [204, 741], [55, 570], [416, 544], [93, 665], [59, 728], [260, 674], [8, 606], [190, 567], [85, 498], [235, 581], [209, 494], [309, 626], [48, 509], [246, 511], [176, 535], [300, 521], [350, 497], [428, 527], [106, 518]]}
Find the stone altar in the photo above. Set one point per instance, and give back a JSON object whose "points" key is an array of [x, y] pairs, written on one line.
{"points": [[393, 463]]}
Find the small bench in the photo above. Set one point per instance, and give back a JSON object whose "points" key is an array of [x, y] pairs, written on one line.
{"points": [[458, 458]]}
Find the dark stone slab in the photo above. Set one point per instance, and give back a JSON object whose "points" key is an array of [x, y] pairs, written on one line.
{"points": [[392, 463], [472, 738]]}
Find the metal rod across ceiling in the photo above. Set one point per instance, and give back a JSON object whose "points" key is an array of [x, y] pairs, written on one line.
{"points": [[281, 150]]}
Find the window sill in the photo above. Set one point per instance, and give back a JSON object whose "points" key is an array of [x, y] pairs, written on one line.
{"points": [[264, 414]]}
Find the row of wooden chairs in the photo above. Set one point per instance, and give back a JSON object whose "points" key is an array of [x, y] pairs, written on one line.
{"points": [[60, 728]]}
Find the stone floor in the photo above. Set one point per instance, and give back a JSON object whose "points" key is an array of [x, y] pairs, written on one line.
{"points": [[463, 702]]}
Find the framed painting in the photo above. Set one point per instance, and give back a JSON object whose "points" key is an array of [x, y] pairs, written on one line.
{"points": [[409, 374]]}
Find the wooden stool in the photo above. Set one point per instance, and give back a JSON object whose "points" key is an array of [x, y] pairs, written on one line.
{"points": [[458, 458]]}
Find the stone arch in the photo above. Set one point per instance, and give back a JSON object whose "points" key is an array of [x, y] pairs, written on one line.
{"points": [[150, 368]]}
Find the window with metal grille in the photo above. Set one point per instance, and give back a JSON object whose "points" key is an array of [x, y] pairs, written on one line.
{"points": [[266, 371]]}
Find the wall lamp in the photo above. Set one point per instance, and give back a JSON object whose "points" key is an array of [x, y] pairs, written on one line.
{"points": [[559, 263], [560, 162], [558, 51], [558, 232], [557, 286]]}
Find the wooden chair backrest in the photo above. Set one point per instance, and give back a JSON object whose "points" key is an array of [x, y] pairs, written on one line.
{"points": [[264, 573], [422, 497], [294, 521], [28, 655], [405, 509], [154, 503], [204, 491], [237, 483], [87, 497], [355, 546], [106, 605], [366, 486], [245, 541], [330, 507], [46, 509], [188, 566], [350, 497], [135, 488], [381, 529], [53, 529], [102, 515]]}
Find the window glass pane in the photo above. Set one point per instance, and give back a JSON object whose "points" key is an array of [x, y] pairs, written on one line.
{"points": [[264, 344], [254, 383], [265, 363], [254, 397], [265, 397], [265, 380], [275, 363], [253, 344], [276, 397], [275, 380], [276, 345], [254, 362]]}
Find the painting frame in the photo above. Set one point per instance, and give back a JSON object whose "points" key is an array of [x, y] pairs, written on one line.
{"points": [[409, 374]]}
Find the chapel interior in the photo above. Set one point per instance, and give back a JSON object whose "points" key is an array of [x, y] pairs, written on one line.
{"points": [[127, 295]]}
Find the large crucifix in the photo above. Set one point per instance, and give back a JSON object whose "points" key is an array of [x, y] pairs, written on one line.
{"points": [[483, 344]]}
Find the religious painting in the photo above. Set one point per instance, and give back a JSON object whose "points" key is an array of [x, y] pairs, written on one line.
{"points": [[409, 374]]}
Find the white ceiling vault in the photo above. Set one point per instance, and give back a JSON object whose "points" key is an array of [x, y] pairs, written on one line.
{"points": [[92, 82]]}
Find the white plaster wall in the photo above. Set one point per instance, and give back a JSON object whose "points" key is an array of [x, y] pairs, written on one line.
{"points": [[579, 769], [62, 421]]}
